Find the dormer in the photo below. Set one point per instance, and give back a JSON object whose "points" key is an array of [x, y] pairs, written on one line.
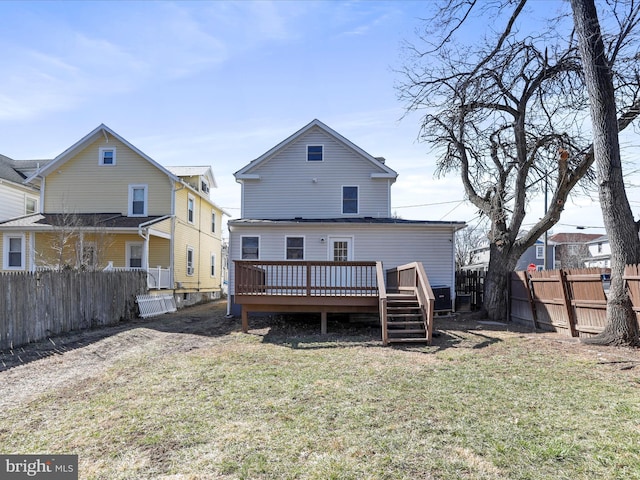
{"points": [[200, 178]]}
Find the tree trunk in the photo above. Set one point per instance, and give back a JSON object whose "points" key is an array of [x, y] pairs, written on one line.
{"points": [[622, 326], [496, 283]]}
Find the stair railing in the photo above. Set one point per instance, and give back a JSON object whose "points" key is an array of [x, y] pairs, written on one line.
{"points": [[382, 299]]}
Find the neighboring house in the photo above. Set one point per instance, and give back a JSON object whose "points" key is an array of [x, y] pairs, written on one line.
{"points": [[571, 248], [317, 197], [599, 252], [16, 197], [105, 204], [534, 255]]}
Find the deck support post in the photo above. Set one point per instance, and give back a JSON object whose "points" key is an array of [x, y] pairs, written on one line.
{"points": [[245, 320], [323, 322]]}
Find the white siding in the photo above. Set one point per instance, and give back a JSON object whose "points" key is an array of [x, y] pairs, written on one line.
{"points": [[12, 200], [290, 186], [393, 244]]}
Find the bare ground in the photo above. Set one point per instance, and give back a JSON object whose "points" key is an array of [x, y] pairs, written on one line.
{"points": [[42, 367]]}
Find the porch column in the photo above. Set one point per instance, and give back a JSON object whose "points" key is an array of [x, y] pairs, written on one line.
{"points": [[323, 322]]}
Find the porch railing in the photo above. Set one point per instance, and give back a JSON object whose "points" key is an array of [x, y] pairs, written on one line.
{"points": [[306, 278], [158, 278]]}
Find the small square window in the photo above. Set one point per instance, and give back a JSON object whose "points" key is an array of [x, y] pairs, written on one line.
{"points": [[107, 156], [315, 153]]}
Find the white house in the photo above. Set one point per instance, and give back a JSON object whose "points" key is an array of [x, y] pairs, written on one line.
{"points": [[17, 198], [599, 253], [316, 196]]}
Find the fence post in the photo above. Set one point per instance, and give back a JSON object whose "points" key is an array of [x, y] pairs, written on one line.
{"points": [[568, 304]]}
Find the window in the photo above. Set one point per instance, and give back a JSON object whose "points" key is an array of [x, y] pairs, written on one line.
{"points": [[349, 199], [190, 267], [213, 265], [213, 222], [14, 252], [315, 153], [137, 200], [250, 248], [204, 186], [107, 156], [191, 205], [134, 254], [295, 248], [90, 255], [539, 251], [30, 206], [599, 247]]}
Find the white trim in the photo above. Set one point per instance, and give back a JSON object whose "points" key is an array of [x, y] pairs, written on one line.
{"points": [[539, 252], [192, 198], [143, 261], [6, 245], [357, 187], [101, 153], [158, 233], [133, 187]]}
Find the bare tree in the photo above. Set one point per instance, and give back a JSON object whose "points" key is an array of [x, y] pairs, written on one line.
{"points": [[508, 115], [622, 326], [467, 241]]}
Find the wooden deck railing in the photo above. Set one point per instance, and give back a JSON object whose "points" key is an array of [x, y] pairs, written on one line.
{"points": [[305, 278], [382, 302], [412, 278]]}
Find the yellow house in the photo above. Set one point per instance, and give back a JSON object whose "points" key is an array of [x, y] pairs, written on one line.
{"points": [[107, 205]]}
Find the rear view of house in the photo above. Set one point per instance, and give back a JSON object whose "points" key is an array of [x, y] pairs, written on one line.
{"points": [[104, 204], [317, 197]]}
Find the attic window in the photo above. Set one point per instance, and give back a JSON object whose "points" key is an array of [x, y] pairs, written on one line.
{"points": [[315, 153], [107, 156], [204, 186]]}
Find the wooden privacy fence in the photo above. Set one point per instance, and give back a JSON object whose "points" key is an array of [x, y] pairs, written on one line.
{"points": [[570, 301], [34, 306]]}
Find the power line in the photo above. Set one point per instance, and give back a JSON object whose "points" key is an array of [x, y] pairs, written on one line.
{"points": [[428, 204]]}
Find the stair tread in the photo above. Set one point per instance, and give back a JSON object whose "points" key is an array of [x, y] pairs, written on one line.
{"points": [[405, 331], [408, 340], [404, 322]]}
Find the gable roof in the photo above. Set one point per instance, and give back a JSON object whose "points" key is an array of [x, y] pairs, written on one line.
{"points": [[244, 173], [80, 221], [8, 172], [102, 129]]}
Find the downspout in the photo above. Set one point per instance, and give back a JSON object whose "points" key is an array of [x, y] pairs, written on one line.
{"points": [[228, 272]]}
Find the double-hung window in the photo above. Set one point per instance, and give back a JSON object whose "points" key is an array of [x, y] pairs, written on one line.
{"points": [[138, 200], [107, 156], [539, 251], [14, 252], [30, 206], [191, 207], [349, 200], [250, 248], [134, 254], [190, 264], [213, 222], [295, 248], [213, 265]]}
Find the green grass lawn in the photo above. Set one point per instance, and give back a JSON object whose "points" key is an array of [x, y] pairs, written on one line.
{"points": [[491, 405]]}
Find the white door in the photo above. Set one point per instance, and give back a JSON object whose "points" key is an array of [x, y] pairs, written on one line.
{"points": [[341, 251]]}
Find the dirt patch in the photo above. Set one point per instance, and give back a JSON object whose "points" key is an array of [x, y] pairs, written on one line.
{"points": [[37, 368]]}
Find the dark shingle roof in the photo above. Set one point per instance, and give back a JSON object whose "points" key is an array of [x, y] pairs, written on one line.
{"points": [[80, 220]]}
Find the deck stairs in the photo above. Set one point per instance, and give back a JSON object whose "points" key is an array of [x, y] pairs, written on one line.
{"points": [[406, 321]]}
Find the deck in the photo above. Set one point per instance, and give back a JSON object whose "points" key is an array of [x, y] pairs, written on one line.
{"points": [[327, 287]]}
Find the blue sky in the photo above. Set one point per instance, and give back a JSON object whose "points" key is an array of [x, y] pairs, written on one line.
{"points": [[220, 83]]}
